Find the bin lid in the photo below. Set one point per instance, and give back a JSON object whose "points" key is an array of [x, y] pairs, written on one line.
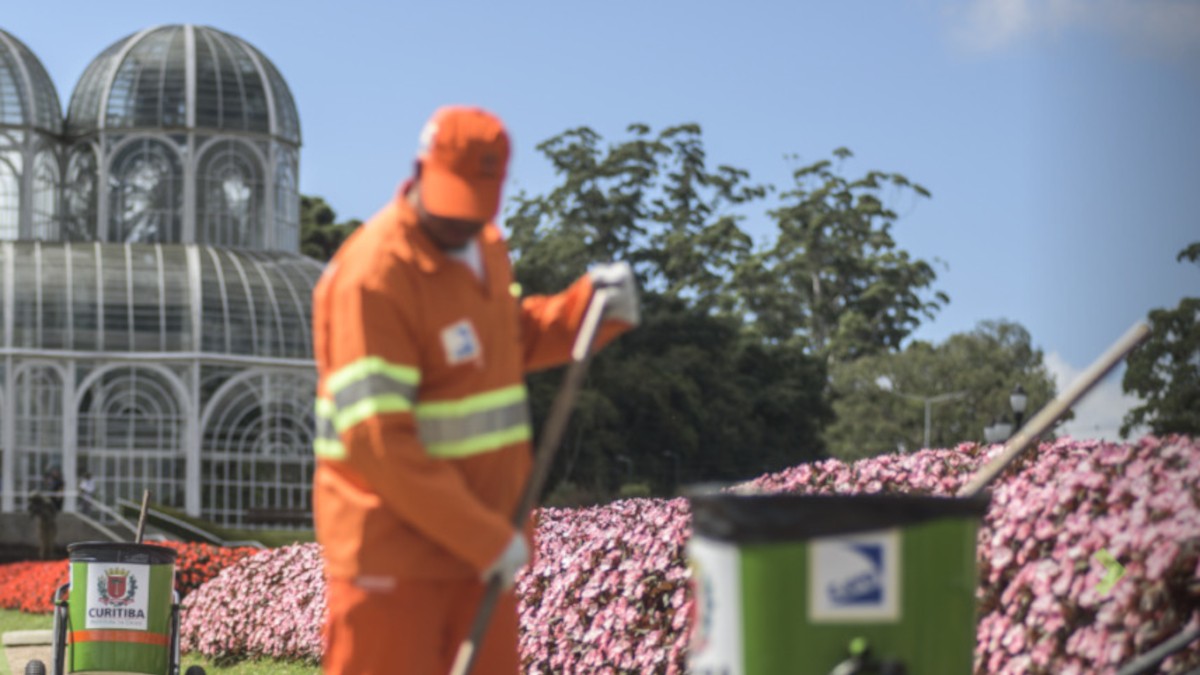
{"points": [[109, 551], [783, 517]]}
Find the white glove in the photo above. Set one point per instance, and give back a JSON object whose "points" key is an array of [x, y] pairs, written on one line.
{"points": [[618, 278], [514, 557]]}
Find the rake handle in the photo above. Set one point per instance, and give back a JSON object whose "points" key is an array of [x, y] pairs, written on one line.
{"points": [[552, 433]]}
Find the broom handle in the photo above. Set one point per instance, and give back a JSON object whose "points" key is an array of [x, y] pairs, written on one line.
{"points": [[556, 424], [1048, 415], [141, 526]]}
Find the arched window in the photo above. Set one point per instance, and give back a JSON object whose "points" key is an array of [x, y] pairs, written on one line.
{"points": [[79, 195], [287, 202], [10, 193], [45, 196], [37, 399], [230, 209], [145, 193], [131, 435], [256, 446]]}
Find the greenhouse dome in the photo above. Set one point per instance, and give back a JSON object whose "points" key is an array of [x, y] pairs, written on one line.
{"points": [[30, 122], [155, 315], [183, 134]]}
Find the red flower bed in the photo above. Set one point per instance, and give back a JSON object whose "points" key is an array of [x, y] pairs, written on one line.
{"points": [[197, 563], [29, 586]]}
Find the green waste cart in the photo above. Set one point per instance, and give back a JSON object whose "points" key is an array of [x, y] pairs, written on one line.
{"points": [[833, 584], [118, 614]]}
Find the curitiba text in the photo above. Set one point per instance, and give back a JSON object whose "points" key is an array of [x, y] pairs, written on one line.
{"points": [[116, 613]]}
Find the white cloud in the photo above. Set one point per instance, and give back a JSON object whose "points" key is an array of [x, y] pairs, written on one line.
{"points": [[1100, 412], [1171, 26]]}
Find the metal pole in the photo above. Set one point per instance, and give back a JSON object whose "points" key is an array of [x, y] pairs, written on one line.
{"points": [[928, 404]]}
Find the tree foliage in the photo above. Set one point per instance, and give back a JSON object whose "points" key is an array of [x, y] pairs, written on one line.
{"points": [[835, 279], [688, 396], [320, 233], [878, 399], [1164, 371]]}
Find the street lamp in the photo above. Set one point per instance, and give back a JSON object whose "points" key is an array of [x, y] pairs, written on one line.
{"points": [[1001, 429], [927, 400], [1018, 400], [998, 431]]}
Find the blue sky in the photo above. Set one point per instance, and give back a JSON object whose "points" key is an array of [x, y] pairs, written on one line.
{"points": [[1060, 138]]}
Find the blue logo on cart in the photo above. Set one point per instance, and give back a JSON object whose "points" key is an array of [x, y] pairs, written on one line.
{"points": [[862, 582]]}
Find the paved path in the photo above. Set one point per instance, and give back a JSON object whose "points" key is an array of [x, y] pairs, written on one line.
{"points": [[21, 647]]}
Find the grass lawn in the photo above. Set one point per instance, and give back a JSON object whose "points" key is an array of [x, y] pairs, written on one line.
{"points": [[13, 620]]}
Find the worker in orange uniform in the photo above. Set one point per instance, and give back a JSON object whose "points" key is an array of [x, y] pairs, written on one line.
{"points": [[423, 430]]}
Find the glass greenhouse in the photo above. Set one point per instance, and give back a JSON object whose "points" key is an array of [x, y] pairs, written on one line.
{"points": [[154, 311]]}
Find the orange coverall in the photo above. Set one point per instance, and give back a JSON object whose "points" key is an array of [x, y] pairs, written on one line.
{"points": [[423, 439]]}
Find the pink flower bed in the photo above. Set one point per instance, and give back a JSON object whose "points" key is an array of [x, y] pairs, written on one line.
{"points": [[269, 605], [609, 593]]}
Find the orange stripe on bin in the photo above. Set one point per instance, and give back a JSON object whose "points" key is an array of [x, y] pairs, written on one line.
{"points": [[135, 637]]}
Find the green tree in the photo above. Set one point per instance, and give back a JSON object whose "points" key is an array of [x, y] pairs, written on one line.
{"points": [[1164, 371], [649, 199], [879, 399], [688, 396], [320, 233], [835, 279]]}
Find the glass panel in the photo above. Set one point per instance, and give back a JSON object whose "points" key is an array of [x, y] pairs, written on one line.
{"points": [[10, 194], [230, 196], [287, 121], [37, 397], [254, 97], [79, 194], [149, 333], [47, 113], [146, 193], [45, 196], [232, 93], [293, 299], [139, 95], [287, 202], [214, 327], [208, 96], [12, 91], [131, 436], [243, 322], [26, 289], [3, 309], [116, 299], [177, 312], [84, 113], [84, 314], [47, 109], [54, 315], [256, 446]]}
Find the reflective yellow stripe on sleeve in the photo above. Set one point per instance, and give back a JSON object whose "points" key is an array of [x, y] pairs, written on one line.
{"points": [[327, 444], [367, 387], [371, 386], [475, 424]]}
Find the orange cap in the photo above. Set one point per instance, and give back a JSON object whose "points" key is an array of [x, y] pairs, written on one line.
{"points": [[463, 154]]}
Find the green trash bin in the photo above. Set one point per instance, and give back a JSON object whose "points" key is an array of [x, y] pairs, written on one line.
{"points": [[120, 608], [808, 584]]}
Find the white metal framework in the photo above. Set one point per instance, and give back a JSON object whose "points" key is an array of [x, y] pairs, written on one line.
{"points": [[30, 124], [154, 311], [180, 368]]}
